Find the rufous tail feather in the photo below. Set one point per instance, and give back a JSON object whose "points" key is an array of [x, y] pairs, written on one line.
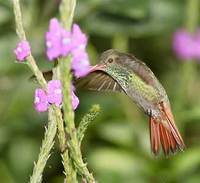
{"points": [[166, 136]]}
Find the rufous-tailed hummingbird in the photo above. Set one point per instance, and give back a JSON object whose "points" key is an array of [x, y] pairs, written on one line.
{"points": [[124, 73]]}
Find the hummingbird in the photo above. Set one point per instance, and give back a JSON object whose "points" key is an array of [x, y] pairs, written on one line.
{"points": [[122, 72]]}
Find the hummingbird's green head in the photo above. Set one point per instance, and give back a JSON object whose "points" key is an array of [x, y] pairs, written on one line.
{"points": [[115, 59], [116, 65], [119, 64]]}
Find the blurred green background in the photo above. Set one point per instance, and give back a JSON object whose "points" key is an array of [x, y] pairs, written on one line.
{"points": [[116, 146]]}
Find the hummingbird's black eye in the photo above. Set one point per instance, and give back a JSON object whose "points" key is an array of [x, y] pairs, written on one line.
{"points": [[110, 60]]}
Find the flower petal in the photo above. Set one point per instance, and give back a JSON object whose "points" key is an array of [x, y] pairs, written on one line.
{"points": [[40, 102], [22, 50], [54, 92]]}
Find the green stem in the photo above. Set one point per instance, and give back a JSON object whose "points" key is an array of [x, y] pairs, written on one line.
{"points": [[64, 65], [45, 149], [67, 8], [69, 170], [62, 136], [86, 120], [192, 15], [22, 36], [54, 112]]}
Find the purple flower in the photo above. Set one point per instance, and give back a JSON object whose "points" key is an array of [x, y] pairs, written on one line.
{"points": [[22, 50], [183, 44], [79, 39], [74, 98], [58, 40], [53, 39], [53, 96], [80, 63], [40, 102], [187, 45], [54, 92], [80, 60]]}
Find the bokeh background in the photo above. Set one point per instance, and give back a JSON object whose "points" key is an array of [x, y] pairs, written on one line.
{"points": [[116, 145]]}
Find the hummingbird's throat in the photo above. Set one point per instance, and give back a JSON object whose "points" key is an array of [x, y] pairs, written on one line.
{"points": [[120, 74]]}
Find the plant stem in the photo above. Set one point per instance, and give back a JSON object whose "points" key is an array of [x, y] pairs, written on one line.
{"points": [[86, 120], [63, 73], [67, 163], [22, 36], [192, 15], [45, 149], [67, 8], [54, 112], [66, 12], [75, 152]]}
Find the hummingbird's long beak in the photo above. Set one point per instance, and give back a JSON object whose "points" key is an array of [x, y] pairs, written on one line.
{"points": [[98, 67]]}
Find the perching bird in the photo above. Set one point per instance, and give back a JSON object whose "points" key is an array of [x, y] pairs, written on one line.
{"points": [[123, 72]]}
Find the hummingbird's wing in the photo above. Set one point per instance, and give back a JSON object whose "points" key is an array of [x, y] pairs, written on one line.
{"points": [[143, 71], [98, 81]]}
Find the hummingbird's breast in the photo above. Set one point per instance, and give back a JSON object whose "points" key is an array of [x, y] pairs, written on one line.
{"points": [[143, 94]]}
